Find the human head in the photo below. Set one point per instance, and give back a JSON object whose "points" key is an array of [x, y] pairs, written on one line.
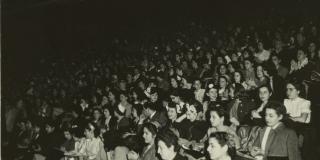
{"points": [[91, 131], [265, 93], [259, 71], [96, 113], [223, 82], [276, 60], [217, 116], [220, 145], [212, 92], [248, 63], [154, 94], [67, 133], [274, 113], [237, 77], [301, 55], [123, 97], [222, 69], [197, 84], [50, 126], [293, 90], [172, 111], [167, 144], [194, 107], [149, 133]]}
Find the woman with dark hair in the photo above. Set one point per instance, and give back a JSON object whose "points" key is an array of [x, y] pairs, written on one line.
{"points": [[219, 122], [220, 146], [168, 146], [298, 108], [149, 151], [265, 93], [275, 140], [96, 117], [223, 88], [212, 98], [261, 77], [94, 148], [192, 129], [125, 104], [112, 96]]}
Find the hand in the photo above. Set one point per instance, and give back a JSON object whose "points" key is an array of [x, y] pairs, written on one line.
{"points": [[255, 151], [234, 121], [255, 114], [132, 155]]}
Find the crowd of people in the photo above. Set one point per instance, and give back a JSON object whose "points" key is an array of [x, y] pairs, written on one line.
{"points": [[203, 92]]}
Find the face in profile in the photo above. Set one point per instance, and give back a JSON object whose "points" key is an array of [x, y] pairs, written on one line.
{"points": [[215, 150]]}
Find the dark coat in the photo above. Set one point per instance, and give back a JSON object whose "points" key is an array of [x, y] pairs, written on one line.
{"points": [[282, 142]]}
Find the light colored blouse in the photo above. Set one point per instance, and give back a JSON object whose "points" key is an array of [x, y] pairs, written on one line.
{"points": [[298, 106], [91, 148]]}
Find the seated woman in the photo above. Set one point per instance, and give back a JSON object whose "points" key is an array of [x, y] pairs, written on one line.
{"points": [[219, 147], [275, 140], [149, 151], [93, 147], [211, 96], [219, 120], [265, 93], [297, 107], [167, 146], [192, 129]]}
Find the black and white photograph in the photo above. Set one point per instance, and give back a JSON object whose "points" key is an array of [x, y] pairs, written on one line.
{"points": [[160, 80]]}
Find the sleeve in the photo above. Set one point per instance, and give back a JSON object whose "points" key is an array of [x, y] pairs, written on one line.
{"points": [[292, 146], [305, 107], [93, 151]]}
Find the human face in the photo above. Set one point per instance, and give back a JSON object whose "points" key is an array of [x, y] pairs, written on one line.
{"points": [[174, 83], [215, 150], [164, 151], [111, 96], [230, 68], [88, 133], [215, 119], [172, 113], [260, 72], [271, 117], [264, 94], [222, 82], [106, 113], [223, 70], [192, 113], [197, 85], [175, 99], [275, 60], [49, 129], [220, 60], [300, 55], [237, 77], [123, 98], [147, 136], [292, 92], [96, 115], [247, 64], [212, 94], [154, 97], [67, 135], [104, 100]]}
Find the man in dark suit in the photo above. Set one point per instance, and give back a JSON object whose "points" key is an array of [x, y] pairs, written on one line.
{"points": [[150, 114]]}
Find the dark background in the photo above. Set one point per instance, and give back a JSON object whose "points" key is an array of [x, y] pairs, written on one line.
{"points": [[60, 28]]}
